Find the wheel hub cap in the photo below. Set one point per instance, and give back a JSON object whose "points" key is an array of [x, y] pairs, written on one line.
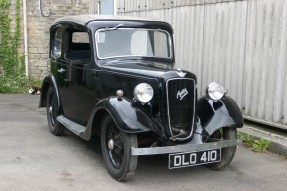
{"points": [[50, 109], [111, 144]]}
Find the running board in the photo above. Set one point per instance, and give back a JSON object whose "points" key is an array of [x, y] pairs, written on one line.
{"points": [[72, 126]]}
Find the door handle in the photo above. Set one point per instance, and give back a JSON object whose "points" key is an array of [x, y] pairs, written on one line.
{"points": [[95, 72], [61, 70]]}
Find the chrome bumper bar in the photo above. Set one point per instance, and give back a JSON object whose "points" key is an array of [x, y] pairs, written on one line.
{"points": [[184, 148]]}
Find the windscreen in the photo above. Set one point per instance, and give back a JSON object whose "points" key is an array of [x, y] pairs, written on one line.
{"points": [[133, 42]]}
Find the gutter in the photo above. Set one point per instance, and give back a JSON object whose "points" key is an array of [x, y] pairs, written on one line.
{"points": [[25, 39]]}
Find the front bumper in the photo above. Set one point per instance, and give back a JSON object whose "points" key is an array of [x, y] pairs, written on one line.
{"points": [[184, 148]]}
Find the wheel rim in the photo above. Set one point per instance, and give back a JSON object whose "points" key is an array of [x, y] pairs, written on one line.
{"points": [[52, 111], [115, 146]]}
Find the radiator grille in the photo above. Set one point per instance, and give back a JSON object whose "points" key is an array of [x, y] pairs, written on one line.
{"points": [[181, 106]]}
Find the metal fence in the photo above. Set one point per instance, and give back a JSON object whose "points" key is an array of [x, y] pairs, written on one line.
{"points": [[239, 43]]}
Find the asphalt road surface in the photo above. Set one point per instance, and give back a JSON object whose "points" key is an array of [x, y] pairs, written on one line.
{"points": [[33, 159]]}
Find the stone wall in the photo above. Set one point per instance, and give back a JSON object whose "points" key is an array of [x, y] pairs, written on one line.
{"points": [[38, 29]]}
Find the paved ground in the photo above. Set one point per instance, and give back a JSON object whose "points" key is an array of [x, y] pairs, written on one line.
{"points": [[33, 159]]}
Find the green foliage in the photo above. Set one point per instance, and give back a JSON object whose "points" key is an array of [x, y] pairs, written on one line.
{"points": [[260, 145], [16, 83], [11, 63], [5, 4], [247, 139], [257, 145], [13, 83]]}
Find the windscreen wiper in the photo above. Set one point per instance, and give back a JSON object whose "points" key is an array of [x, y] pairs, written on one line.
{"points": [[115, 27]]}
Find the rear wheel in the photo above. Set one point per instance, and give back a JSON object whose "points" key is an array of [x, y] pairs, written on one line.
{"points": [[116, 148], [55, 127], [227, 153]]}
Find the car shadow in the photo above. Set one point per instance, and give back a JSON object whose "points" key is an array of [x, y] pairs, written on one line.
{"points": [[149, 168]]}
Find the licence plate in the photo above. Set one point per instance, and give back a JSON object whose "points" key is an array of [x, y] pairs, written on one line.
{"points": [[179, 160]]}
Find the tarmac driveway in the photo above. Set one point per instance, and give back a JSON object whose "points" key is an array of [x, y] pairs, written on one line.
{"points": [[33, 159]]}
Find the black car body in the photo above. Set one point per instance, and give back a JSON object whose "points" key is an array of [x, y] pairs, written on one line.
{"points": [[114, 76]]}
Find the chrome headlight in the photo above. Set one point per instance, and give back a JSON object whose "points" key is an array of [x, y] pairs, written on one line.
{"points": [[143, 92], [215, 91]]}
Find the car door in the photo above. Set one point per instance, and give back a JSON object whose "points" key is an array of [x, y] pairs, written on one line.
{"points": [[77, 90], [58, 68]]}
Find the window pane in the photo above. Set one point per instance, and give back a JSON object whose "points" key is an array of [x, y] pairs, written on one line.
{"points": [[140, 43], [161, 45], [80, 37], [57, 44], [133, 42]]}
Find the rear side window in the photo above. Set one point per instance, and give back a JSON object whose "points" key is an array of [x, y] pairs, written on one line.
{"points": [[56, 48]]}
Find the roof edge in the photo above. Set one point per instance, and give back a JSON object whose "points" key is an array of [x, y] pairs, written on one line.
{"points": [[85, 19]]}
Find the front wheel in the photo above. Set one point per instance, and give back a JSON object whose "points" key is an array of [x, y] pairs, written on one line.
{"points": [[227, 153], [116, 149]]}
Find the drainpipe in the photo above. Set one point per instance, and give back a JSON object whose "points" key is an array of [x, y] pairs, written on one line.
{"points": [[115, 7], [25, 39], [99, 7]]}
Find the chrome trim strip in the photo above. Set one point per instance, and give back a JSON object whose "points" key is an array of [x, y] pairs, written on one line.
{"points": [[184, 148], [168, 114]]}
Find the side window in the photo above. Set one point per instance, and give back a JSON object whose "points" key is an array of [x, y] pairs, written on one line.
{"points": [[78, 47], [57, 42], [80, 37]]}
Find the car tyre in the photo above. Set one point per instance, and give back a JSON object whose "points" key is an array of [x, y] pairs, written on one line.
{"points": [[116, 149], [52, 110], [227, 153]]}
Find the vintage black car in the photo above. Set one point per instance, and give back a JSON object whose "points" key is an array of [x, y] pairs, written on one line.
{"points": [[114, 77]]}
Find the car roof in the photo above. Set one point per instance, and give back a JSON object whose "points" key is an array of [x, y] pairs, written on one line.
{"points": [[85, 19]]}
